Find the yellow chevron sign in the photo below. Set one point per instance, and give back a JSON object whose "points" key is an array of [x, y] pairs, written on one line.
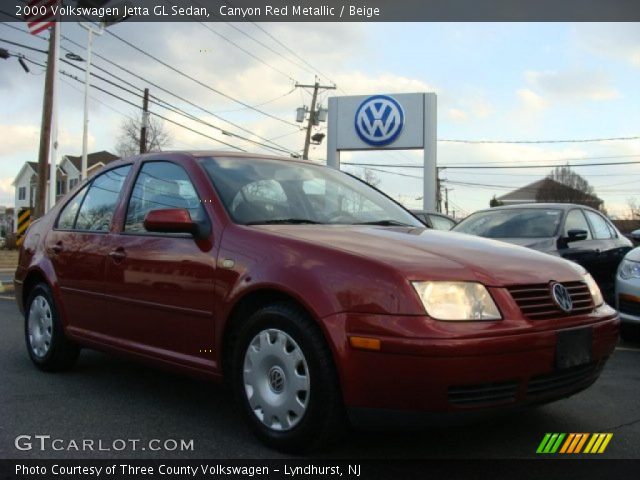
{"points": [[24, 220], [574, 443]]}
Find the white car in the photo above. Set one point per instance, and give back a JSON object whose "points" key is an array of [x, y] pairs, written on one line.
{"points": [[628, 293]]}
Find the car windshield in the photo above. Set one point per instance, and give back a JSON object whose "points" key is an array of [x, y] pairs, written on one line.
{"points": [[512, 223], [263, 191]]}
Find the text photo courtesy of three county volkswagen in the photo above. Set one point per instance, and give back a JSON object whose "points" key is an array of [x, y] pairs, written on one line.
{"points": [[336, 237]]}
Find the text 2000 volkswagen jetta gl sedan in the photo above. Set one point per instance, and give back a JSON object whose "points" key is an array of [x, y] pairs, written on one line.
{"points": [[315, 295]]}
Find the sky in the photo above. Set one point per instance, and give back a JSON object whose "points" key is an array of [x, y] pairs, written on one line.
{"points": [[494, 81]]}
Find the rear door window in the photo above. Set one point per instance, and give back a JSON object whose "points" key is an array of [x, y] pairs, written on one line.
{"points": [[67, 218], [601, 230], [100, 202]]}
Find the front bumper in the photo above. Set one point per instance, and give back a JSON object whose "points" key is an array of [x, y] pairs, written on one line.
{"points": [[465, 374], [628, 299]]}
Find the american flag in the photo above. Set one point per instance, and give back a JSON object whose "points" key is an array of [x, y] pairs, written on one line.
{"points": [[43, 17]]}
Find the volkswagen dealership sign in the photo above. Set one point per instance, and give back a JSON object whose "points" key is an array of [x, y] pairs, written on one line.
{"points": [[379, 120], [401, 121]]}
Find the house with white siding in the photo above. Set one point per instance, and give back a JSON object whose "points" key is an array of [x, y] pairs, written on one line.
{"points": [[67, 177]]}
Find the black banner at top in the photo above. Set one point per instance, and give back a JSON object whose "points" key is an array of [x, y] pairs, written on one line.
{"points": [[334, 10]]}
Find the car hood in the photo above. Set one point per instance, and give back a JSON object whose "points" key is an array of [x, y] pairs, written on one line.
{"points": [[425, 254]]}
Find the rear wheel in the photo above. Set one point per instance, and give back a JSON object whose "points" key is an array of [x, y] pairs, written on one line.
{"points": [[47, 344], [285, 381]]}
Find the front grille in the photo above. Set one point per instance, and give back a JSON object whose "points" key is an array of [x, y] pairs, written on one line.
{"points": [[536, 302], [567, 379], [629, 307], [485, 393]]}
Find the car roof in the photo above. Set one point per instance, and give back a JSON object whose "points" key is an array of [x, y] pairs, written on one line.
{"points": [[529, 206], [217, 153]]}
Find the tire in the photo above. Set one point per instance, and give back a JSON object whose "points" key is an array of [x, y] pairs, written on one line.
{"points": [[285, 381], [48, 347]]}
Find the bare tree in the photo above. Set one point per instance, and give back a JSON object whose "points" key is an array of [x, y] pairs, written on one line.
{"points": [[563, 185], [370, 177], [129, 140], [568, 177], [634, 209]]}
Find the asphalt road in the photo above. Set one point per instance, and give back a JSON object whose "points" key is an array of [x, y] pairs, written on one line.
{"points": [[107, 398]]}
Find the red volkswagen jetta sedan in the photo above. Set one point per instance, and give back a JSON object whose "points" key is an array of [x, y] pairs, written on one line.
{"points": [[317, 297]]}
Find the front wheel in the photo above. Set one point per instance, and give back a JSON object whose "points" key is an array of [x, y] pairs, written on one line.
{"points": [[285, 380], [47, 345]]}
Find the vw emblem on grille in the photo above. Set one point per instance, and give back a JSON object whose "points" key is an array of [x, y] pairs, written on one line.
{"points": [[561, 296], [276, 379], [379, 120]]}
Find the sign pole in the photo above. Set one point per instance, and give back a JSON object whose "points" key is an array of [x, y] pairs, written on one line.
{"points": [[430, 152], [333, 154]]}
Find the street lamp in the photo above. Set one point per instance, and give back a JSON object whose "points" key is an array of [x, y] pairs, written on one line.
{"points": [[87, 77], [4, 54], [91, 31]]}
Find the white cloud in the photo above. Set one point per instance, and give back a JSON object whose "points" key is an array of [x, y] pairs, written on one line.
{"points": [[530, 100], [620, 40], [572, 84], [457, 115], [6, 191]]}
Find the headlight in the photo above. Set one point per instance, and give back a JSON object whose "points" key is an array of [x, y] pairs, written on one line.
{"points": [[596, 295], [458, 301], [629, 269]]}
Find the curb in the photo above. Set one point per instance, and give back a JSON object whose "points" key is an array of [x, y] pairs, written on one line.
{"points": [[6, 288]]}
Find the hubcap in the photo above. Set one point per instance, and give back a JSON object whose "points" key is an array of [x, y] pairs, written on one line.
{"points": [[40, 324], [276, 379]]}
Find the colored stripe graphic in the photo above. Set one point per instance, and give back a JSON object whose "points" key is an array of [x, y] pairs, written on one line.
{"points": [[573, 443], [550, 443], [24, 220]]}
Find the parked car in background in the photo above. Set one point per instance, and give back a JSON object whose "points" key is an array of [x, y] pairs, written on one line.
{"points": [[574, 232], [635, 236], [319, 299], [435, 220], [628, 294]]}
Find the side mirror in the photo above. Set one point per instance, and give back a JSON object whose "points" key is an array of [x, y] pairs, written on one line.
{"points": [[170, 220], [576, 235]]}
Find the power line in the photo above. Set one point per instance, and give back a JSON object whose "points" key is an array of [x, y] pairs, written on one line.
{"points": [[195, 80], [276, 147], [582, 140], [508, 162], [283, 45], [137, 106], [264, 62], [470, 167], [176, 110], [251, 37]]}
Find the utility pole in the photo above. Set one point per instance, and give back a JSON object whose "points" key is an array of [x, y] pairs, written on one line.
{"points": [[145, 121], [446, 200], [313, 114], [45, 129], [438, 193]]}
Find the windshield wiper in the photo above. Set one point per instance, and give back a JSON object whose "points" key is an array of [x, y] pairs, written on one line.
{"points": [[290, 221], [385, 223]]}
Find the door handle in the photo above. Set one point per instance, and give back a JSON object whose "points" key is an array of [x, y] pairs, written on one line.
{"points": [[118, 255], [57, 248]]}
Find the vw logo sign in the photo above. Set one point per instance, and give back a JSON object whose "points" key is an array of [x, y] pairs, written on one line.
{"points": [[561, 297], [379, 120]]}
